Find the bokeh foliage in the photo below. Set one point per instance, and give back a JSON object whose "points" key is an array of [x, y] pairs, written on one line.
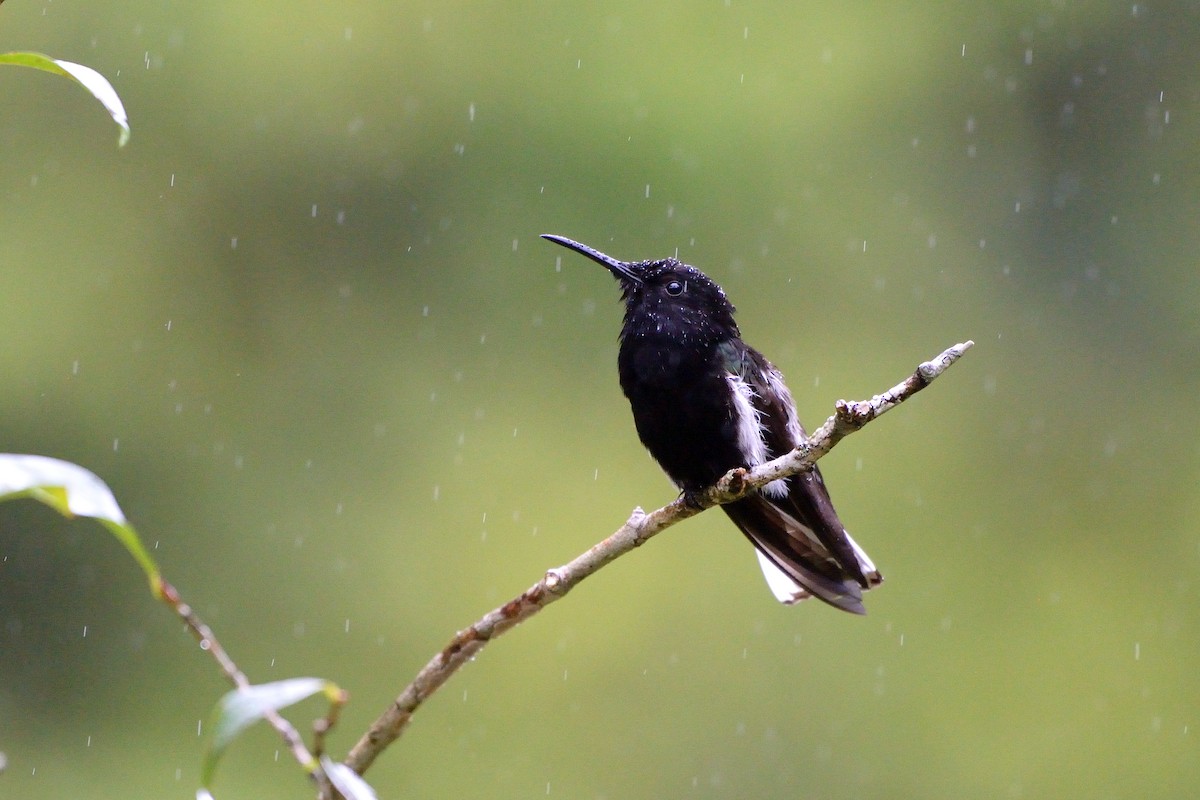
{"points": [[304, 328]]}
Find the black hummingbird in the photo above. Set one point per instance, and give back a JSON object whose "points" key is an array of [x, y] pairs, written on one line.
{"points": [[704, 402]]}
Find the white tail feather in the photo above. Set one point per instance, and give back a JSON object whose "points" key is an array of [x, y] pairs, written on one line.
{"points": [[864, 561], [785, 589]]}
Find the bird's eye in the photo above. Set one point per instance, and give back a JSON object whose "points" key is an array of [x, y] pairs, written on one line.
{"points": [[675, 288]]}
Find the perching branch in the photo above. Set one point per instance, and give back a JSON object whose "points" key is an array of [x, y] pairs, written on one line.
{"points": [[640, 527]]}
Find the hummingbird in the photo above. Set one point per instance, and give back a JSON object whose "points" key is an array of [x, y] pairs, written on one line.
{"points": [[705, 402]]}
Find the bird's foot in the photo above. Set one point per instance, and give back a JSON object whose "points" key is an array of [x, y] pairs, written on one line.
{"points": [[692, 499]]}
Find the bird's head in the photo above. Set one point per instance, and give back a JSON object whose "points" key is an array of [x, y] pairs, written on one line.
{"points": [[665, 296]]}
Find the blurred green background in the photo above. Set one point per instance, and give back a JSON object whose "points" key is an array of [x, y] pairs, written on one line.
{"points": [[304, 327]]}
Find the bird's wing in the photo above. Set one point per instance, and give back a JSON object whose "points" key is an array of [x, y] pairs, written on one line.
{"points": [[792, 522]]}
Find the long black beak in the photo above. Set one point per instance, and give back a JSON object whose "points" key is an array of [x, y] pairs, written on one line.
{"points": [[622, 269]]}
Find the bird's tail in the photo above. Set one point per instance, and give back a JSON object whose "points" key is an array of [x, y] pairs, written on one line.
{"points": [[796, 563]]}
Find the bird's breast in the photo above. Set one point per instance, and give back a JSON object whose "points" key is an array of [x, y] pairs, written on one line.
{"points": [[664, 364], [683, 409]]}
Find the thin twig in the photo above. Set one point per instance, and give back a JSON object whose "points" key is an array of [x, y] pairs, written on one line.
{"points": [[322, 726], [211, 645], [640, 526]]}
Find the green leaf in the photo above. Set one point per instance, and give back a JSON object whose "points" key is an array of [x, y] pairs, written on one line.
{"points": [[74, 491], [241, 708], [86, 77], [348, 782]]}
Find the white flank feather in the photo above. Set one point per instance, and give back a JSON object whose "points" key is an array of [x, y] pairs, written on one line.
{"points": [[750, 431]]}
